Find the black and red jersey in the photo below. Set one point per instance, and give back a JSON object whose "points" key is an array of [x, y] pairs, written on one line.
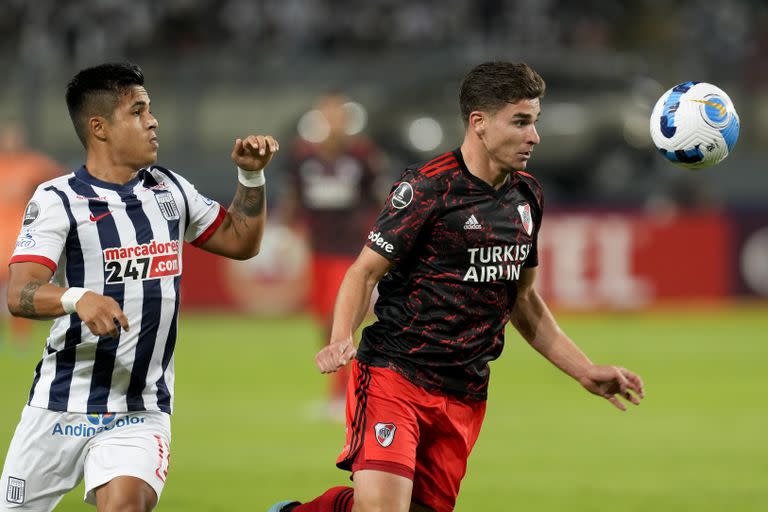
{"points": [[458, 246]]}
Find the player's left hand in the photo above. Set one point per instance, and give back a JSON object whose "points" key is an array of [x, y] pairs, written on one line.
{"points": [[254, 152], [612, 382]]}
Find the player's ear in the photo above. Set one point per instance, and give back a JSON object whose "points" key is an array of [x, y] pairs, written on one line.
{"points": [[477, 122], [97, 126]]}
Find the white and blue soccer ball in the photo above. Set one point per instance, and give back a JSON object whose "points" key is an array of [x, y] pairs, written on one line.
{"points": [[694, 125]]}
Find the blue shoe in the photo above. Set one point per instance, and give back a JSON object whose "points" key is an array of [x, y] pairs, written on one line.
{"points": [[284, 506]]}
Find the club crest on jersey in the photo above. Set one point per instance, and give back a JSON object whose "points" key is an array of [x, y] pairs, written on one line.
{"points": [[402, 196], [167, 205], [525, 215], [15, 491], [385, 433]]}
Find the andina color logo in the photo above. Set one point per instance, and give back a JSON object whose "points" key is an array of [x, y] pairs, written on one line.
{"points": [[98, 423]]}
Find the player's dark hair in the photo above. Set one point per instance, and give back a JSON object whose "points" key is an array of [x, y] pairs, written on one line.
{"points": [[96, 91], [491, 85]]}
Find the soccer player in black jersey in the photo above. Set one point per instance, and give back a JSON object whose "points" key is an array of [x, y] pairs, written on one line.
{"points": [[454, 253]]}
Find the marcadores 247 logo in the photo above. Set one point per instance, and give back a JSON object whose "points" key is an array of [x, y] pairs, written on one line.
{"points": [[144, 261]]}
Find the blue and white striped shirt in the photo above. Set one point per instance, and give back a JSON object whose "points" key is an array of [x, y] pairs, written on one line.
{"points": [[125, 242]]}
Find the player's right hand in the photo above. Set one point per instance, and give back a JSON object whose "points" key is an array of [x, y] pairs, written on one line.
{"points": [[334, 356], [101, 314]]}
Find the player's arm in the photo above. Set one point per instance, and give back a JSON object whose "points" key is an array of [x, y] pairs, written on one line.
{"points": [[31, 295], [239, 235], [352, 304], [535, 322]]}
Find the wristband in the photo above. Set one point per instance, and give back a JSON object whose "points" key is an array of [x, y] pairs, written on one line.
{"points": [[251, 178], [70, 298]]}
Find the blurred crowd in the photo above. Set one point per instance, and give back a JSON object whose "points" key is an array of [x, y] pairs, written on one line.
{"points": [[730, 33], [605, 64]]}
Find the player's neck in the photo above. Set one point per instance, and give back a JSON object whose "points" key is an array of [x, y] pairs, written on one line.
{"points": [[106, 169], [480, 164]]}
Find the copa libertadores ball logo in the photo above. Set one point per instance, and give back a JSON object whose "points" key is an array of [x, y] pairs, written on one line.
{"points": [[714, 111]]}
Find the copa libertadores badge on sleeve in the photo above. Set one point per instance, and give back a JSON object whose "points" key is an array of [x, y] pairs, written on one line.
{"points": [[402, 196], [31, 213]]}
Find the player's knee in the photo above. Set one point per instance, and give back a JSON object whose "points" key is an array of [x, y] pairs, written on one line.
{"points": [[125, 494], [381, 504], [128, 505]]}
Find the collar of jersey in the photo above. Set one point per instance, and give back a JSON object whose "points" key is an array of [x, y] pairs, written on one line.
{"points": [[511, 180], [83, 175]]}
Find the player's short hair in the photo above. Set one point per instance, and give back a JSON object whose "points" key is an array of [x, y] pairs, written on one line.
{"points": [[96, 91], [489, 86]]}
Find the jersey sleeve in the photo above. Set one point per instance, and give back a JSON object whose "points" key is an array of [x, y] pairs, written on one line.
{"points": [[205, 215], [44, 231], [410, 206]]}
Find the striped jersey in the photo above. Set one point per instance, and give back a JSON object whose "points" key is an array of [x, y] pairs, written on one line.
{"points": [[125, 242]]}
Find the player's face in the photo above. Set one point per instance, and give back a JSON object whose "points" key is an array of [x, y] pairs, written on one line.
{"points": [[133, 130], [510, 134]]}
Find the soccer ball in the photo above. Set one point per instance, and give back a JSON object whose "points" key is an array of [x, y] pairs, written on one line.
{"points": [[694, 125]]}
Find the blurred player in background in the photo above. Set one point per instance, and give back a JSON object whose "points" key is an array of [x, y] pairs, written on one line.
{"points": [[21, 170], [333, 198], [100, 251], [454, 253]]}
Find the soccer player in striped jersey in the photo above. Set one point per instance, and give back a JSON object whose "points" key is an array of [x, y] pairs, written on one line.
{"points": [[454, 253], [100, 252]]}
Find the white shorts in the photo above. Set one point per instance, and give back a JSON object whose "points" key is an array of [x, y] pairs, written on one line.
{"points": [[51, 452]]}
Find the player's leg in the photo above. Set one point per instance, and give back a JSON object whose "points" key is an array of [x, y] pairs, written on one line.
{"points": [[127, 464], [125, 494], [335, 499], [342, 499], [379, 491], [380, 449], [44, 460]]}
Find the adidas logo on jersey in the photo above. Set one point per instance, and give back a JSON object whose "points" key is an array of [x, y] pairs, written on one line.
{"points": [[472, 223]]}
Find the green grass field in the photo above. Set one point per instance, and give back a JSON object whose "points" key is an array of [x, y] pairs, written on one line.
{"points": [[244, 437]]}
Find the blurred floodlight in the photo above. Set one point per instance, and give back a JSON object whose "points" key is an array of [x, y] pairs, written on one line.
{"points": [[357, 117], [645, 91], [636, 131], [425, 133], [563, 119], [313, 127], [754, 264]]}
